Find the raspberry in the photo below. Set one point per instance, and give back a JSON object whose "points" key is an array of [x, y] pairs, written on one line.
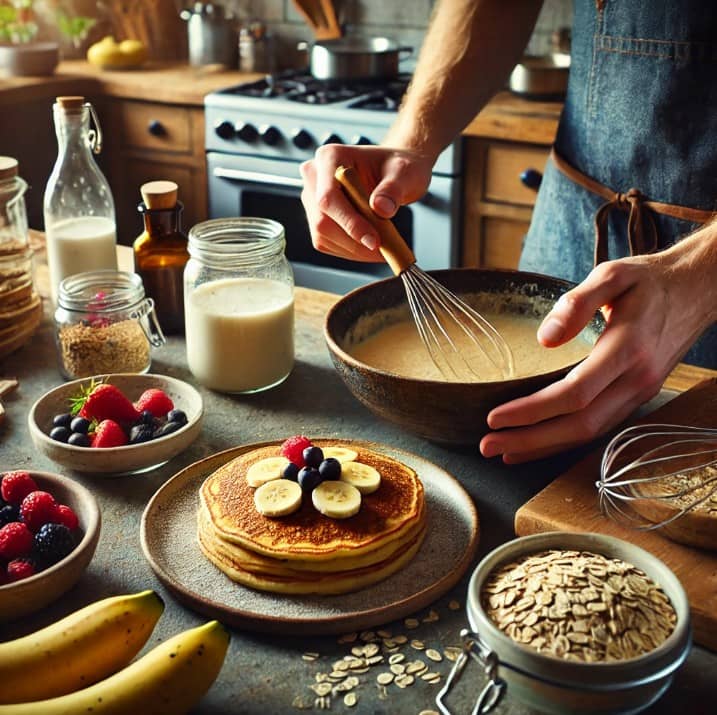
{"points": [[65, 515], [16, 486], [15, 540], [38, 508], [18, 569], [293, 449], [53, 542]]}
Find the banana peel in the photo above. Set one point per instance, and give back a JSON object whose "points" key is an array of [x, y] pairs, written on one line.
{"points": [[110, 54]]}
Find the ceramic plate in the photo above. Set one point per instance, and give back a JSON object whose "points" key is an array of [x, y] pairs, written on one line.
{"points": [[169, 542]]}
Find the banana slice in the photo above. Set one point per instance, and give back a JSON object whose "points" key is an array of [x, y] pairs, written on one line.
{"points": [[278, 497], [343, 454], [265, 470], [362, 476], [336, 499]]}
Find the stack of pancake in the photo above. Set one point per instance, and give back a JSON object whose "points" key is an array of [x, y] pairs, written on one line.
{"points": [[307, 552]]}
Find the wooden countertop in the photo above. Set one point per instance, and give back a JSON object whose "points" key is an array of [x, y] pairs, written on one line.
{"points": [[506, 116]]}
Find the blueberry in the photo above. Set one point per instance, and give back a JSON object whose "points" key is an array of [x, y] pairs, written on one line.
{"points": [[62, 420], [60, 434], [177, 416], [140, 433], [313, 456], [9, 513], [291, 471], [80, 424], [79, 439], [166, 428], [309, 478], [330, 468], [146, 418]]}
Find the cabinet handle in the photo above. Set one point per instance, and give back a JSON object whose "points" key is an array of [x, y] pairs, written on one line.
{"points": [[531, 178], [156, 128]]}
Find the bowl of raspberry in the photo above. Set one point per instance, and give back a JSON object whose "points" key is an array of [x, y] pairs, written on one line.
{"points": [[116, 424], [49, 528]]}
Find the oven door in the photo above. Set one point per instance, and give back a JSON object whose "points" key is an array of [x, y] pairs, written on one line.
{"points": [[252, 186]]}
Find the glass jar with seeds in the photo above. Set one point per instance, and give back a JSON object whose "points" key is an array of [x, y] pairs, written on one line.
{"points": [[573, 623]]}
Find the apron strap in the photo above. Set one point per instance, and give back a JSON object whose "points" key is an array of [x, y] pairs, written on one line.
{"points": [[642, 234]]}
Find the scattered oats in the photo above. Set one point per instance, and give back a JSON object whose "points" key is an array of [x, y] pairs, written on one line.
{"points": [[348, 638], [417, 645], [416, 667], [397, 668], [367, 636], [389, 643], [452, 652], [432, 617], [310, 656], [382, 692], [360, 670], [454, 605], [428, 712], [371, 649], [350, 699], [411, 623], [396, 658], [337, 674], [357, 650], [384, 678], [400, 639], [383, 634], [321, 677], [374, 659], [321, 689], [300, 704], [403, 681], [431, 677], [352, 681], [323, 703], [434, 655]]}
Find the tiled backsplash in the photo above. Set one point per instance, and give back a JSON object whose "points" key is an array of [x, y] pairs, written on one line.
{"points": [[404, 20]]}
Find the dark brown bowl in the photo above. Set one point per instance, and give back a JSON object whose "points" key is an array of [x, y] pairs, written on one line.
{"points": [[443, 412]]}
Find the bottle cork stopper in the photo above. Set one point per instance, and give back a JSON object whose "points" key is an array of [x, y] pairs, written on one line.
{"points": [[159, 194], [8, 167], [71, 103]]}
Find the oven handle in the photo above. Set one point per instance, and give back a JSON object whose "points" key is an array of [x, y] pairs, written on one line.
{"points": [[257, 177]]}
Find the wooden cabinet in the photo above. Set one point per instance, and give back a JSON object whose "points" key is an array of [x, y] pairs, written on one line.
{"points": [[149, 141], [498, 203]]}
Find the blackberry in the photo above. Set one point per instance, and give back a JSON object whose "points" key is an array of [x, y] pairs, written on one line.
{"points": [[9, 513], [52, 543]]}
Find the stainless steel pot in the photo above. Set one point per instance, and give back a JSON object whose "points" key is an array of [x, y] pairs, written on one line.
{"points": [[354, 58], [544, 77], [212, 35]]}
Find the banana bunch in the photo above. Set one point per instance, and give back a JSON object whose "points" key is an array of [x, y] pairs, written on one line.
{"points": [[82, 663]]}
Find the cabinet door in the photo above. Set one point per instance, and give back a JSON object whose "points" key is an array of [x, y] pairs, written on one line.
{"points": [[502, 241]]}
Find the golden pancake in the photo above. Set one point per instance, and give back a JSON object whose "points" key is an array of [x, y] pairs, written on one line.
{"points": [[389, 514]]}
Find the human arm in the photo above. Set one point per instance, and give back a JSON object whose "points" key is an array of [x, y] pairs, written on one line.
{"points": [[655, 307], [470, 48]]}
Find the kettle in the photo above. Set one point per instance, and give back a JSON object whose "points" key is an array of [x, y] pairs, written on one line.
{"points": [[212, 35]]}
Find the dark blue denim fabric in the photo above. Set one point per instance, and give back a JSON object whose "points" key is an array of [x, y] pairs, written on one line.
{"points": [[641, 111]]}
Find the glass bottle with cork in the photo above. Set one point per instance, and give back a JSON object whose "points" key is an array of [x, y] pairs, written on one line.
{"points": [[160, 252], [78, 207]]}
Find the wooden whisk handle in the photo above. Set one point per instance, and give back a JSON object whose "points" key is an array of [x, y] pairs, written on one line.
{"points": [[393, 248]]}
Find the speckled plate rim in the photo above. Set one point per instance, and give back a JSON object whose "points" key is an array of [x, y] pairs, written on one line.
{"points": [[435, 480]]}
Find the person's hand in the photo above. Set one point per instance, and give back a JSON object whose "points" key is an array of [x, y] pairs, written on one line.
{"points": [[655, 307], [393, 177]]}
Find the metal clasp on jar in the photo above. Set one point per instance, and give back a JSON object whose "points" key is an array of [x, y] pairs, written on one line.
{"points": [[492, 692], [146, 316]]}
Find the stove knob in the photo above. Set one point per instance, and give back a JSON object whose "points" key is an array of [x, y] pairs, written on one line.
{"points": [[360, 139], [224, 129], [270, 135], [332, 139], [302, 139], [247, 132]]}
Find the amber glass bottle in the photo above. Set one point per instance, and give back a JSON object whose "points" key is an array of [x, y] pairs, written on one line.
{"points": [[160, 253]]}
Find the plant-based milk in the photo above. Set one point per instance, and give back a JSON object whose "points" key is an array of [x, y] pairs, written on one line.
{"points": [[76, 245], [240, 333]]}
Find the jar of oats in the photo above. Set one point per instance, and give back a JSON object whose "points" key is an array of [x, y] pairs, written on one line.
{"points": [[104, 324], [572, 623]]}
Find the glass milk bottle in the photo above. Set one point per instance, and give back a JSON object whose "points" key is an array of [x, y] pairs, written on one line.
{"points": [[78, 206], [239, 305]]}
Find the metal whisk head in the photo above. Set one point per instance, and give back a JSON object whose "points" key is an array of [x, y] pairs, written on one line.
{"points": [[457, 337], [652, 474]]}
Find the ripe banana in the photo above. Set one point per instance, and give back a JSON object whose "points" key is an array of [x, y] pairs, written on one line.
{"points": [[343, 454], [78, 650], [168, 680], [265, 470], [362, 476], [278, 497], [338, 500]]}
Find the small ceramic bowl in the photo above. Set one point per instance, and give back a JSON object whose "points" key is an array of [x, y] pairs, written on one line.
{"points": [[554, 685], [129, 459], [27, 60], [35, 592]]}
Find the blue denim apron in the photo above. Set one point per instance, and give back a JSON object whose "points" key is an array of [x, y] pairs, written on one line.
{"points": [[641, 111]]}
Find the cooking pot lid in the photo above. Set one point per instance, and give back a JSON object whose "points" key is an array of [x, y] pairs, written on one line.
{"points": [[350, 45]]}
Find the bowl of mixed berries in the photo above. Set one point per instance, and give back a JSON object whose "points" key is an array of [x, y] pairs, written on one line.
{"points": [[49, 528], [116, 424]]}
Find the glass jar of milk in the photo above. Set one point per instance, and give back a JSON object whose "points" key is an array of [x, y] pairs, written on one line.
{"points": [[78, 207], [239, 305]]}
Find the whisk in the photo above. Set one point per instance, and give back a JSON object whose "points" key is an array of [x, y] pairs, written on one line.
{"points": [[652, 474], [455, 335]]}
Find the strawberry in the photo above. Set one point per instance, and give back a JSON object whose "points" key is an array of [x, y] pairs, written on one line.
{"points": [[16, 486], [293, 449], [109, 434], [156, 401], [104, 402]]}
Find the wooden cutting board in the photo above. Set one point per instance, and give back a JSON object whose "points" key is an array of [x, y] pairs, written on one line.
{"points": [[570, 504]]}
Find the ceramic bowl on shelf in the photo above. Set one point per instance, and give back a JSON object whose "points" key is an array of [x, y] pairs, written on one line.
{"points": [[128, 459], [440, 411], [28, 595], [32, 59]]}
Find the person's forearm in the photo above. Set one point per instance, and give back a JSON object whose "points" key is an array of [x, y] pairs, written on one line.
{"points": [[470, 48]]}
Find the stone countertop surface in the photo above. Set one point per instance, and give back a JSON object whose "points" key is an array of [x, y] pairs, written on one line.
{"points": [[506, 116], [266, 673]]}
